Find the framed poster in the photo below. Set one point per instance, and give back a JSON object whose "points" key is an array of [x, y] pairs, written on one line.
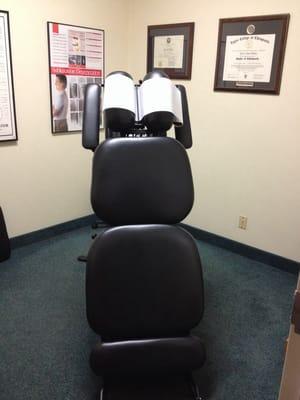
{"points": [[8, 124], [250, 53], [170, 49], [76, 58]]}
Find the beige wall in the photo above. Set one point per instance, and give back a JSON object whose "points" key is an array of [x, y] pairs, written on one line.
{"points": [[45, 179], [245, 157]]}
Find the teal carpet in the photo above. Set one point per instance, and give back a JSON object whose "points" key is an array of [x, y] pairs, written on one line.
{"points": [[45, 339]]}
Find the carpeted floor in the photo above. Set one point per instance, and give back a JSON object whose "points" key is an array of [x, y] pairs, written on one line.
{"points": [[45, 339]]}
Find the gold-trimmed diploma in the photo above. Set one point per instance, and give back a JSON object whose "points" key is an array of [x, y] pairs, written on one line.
{"points": [[168, 51], [249, 58]]}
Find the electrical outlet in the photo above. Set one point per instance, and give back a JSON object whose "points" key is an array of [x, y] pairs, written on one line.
{"points": [[243, 222]]}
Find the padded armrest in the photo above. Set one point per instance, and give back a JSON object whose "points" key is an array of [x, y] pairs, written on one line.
{"points": [[155, 356]]}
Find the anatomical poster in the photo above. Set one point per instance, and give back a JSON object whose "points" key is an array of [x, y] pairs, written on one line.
{"points": [[8, 129], [76, 58]]}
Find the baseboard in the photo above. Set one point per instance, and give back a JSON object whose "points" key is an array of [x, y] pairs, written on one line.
{"points": [[216, 240], [51, 231], [244, 250]]}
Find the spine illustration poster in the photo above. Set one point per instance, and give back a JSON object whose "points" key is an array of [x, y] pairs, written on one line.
{"points": [[76, 58]]}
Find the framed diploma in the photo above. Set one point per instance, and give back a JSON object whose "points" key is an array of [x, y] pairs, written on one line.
{"points": [[8, 125], [250, 53], [170, 49], [76, 58]]}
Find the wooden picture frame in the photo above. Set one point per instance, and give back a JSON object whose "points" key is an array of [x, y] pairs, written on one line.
{"points": [[8, 122], [170, 49], [250, 53]]}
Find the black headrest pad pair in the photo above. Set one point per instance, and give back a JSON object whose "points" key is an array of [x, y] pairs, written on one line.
{"points": [[141, 181]]}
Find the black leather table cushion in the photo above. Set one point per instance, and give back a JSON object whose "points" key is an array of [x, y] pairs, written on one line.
{"points": [[143, 282], [141, 181], [157, 356]]}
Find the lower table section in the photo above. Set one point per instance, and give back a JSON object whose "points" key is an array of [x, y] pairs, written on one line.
{"points": [[173, 388]]}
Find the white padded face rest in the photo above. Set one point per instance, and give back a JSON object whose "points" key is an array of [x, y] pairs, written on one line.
{"points": [[119, 92], [159, 94]]}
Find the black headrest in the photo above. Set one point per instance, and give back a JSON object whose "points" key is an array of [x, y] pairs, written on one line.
{"points": [[141, 181], [143, 282]]}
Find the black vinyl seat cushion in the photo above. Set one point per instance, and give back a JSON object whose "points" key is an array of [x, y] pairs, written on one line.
{"points": [[152, 356], [143, 282], [141, 181]]}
